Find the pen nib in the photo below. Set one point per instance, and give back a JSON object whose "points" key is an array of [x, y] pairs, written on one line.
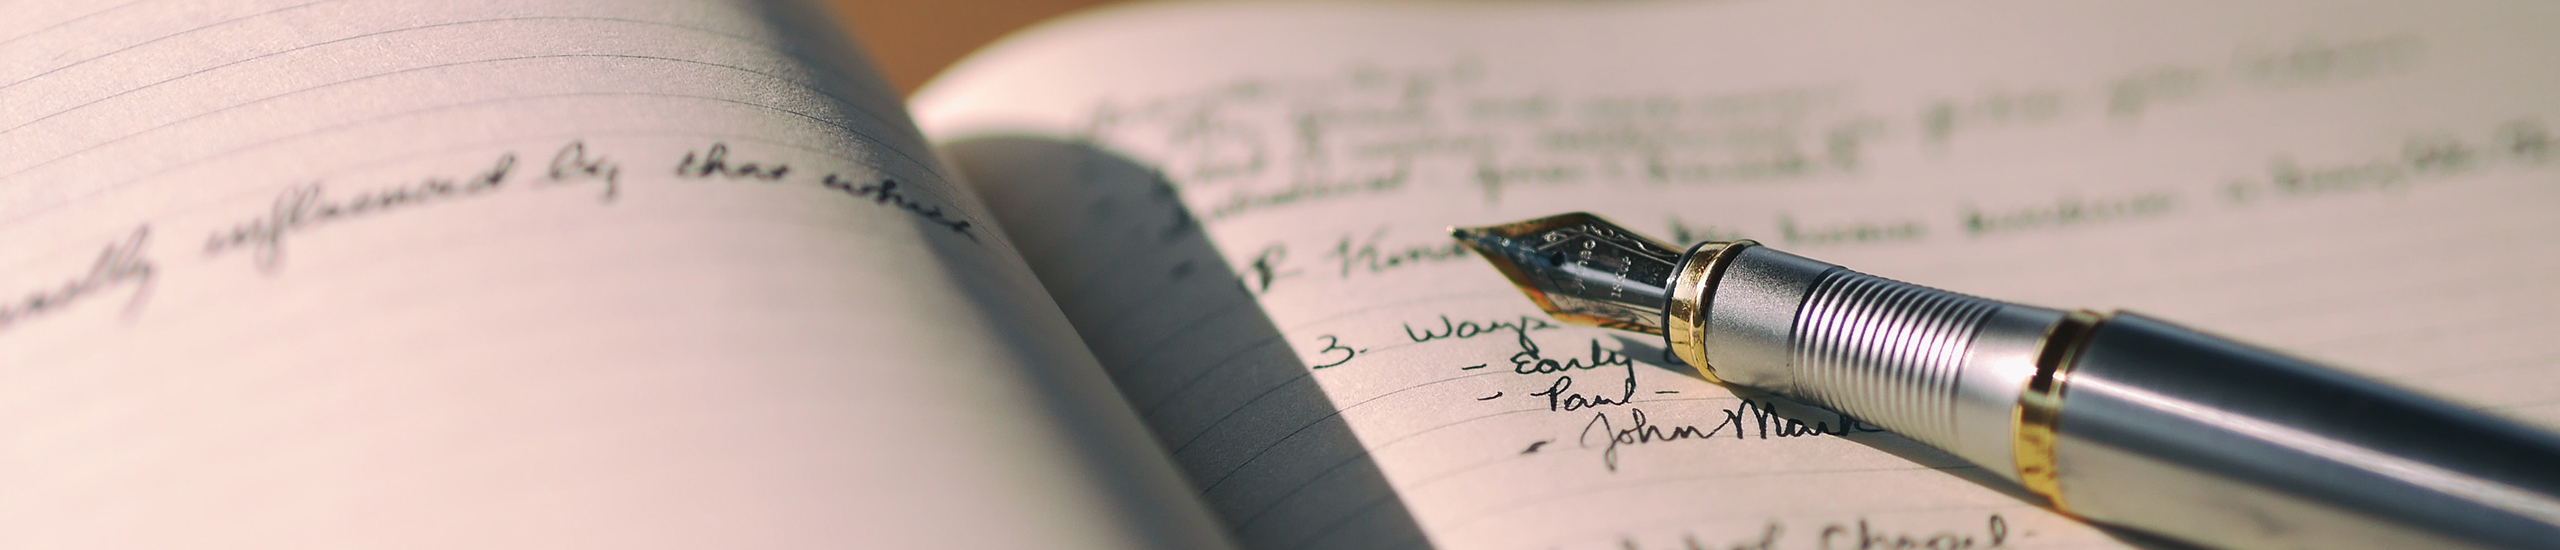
{"points": [[1582, 269]]}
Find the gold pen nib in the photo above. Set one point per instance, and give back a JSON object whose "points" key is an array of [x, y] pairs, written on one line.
{"points": [[1582, 269]]}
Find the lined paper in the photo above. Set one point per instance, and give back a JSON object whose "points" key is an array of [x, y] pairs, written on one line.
{"points": [[2366, 184], [362, 273]]}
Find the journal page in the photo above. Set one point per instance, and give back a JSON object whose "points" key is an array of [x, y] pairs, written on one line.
{"points": [[1244, 208], [498, 273]]}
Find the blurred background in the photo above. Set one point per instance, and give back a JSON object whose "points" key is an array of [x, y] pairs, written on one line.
{"points": [[911, 40]]}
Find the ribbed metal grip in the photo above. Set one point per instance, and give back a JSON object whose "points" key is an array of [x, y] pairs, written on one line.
{"points": [[1886, 351]]}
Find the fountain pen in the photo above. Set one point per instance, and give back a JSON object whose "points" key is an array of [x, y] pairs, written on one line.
{"points": [[2121, 419]]}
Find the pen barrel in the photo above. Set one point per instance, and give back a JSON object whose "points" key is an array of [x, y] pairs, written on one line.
{"points": [[2176, 432], [2123, 419]]}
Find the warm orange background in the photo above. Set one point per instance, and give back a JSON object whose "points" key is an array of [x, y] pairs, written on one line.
{"points": [[913, 39]]}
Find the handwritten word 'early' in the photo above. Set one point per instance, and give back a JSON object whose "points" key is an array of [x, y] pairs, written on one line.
{"points": [[1528, 361]]}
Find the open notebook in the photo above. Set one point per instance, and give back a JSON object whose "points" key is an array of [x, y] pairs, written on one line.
{"points": [[684, 273]]}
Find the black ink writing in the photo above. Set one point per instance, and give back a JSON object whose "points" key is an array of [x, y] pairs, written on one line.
{"points": [[1528, 361], [2129, 96], [2421, 159], [1493, 176], [2067, 212], [1995, 534], [1178, 222], [1307, 190], [1683, 234], [1854, 232], [573, 165], [1332, 346], [1560, 398], [121, 264], [716, 163], [2315, 61], [307, 207], [1768, 540], [2525, 140], [886, 193], [1266, 268], [1462, 330], [1642, 432], [1366, 256], [1942, 120], [1765, 423], [1748, 420]]}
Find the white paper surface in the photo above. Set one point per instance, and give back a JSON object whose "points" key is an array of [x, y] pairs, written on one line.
{"points": [[2369, 184], [643, 274]]}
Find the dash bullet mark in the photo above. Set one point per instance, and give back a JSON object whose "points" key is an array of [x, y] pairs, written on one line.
{"points": [[1472, 368], [1490, 397], [1533, 447]]}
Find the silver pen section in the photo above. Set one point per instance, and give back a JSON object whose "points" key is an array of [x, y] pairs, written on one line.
{"points": [[2118, 418]]}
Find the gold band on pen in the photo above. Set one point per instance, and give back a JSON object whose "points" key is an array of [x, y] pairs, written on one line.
{"points": [[2040, 406], [1685, 318]]}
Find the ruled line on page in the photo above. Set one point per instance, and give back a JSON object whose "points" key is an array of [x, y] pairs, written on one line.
{"points": [[847, 126], [60, 24], [813, 86], [1222, 363], [912, 162], [63, 249], [78, 62], [1338, 412], [732, 300]]}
